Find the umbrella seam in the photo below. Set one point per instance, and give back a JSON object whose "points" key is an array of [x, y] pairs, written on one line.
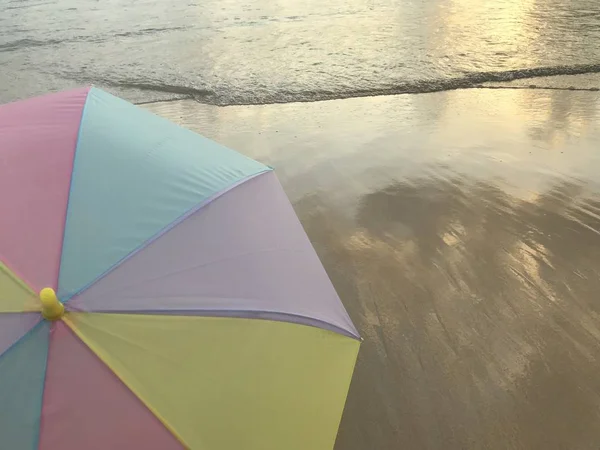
{"points": [[273, 316], [17, 279], [164, 230], [15, 276], [39, 421], [100, 355], [77, 141], [9, 349], [188, 269]]}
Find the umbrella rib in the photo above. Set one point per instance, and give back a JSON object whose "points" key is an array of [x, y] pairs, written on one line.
{"points": [[14, 344], [198, 266], [102, 357], [276, 316], [164, 230], [17, 278], [64, 234]]}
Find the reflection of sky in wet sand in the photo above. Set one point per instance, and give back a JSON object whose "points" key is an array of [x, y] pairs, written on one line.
{"points": [[462, 231]]}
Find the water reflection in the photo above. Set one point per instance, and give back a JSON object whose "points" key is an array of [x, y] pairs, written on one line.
{"points": [[479, 311]]}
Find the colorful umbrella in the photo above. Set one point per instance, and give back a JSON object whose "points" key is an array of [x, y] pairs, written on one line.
{"points": [[157, 290]]}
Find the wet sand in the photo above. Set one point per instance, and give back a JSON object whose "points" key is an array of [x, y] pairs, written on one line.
{"points": [[462, 232]]}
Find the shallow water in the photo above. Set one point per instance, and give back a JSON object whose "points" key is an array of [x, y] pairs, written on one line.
{"points": [[462, 232], [240, 52]]}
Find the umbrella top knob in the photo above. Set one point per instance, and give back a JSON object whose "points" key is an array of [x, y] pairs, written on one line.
{"points": [[52, 308]]}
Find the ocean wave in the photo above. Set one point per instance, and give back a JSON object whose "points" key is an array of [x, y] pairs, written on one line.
{"points": [[27, 43], [186, 92], [466, 81], [21, 44]]}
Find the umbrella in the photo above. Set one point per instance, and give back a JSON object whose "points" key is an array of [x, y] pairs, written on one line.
{"points": [[157, 290]]}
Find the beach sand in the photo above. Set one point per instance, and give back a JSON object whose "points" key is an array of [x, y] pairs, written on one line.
{"points": [[462, 231]]}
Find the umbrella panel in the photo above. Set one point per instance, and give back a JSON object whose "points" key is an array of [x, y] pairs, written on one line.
{"points": [[13, 326], [134, 174], [15, 296], [245, 254], [252, 384], [23, 367], [87, 407], [37, 142]]}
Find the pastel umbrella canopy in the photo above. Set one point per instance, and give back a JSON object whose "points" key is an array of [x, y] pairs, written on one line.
{"points": [[157, 290]]}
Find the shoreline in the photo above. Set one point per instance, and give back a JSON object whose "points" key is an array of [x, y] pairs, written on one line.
{"points": [[589, 82]]}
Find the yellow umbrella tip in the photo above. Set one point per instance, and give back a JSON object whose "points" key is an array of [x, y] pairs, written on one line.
{"points": [[52, 308]]}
